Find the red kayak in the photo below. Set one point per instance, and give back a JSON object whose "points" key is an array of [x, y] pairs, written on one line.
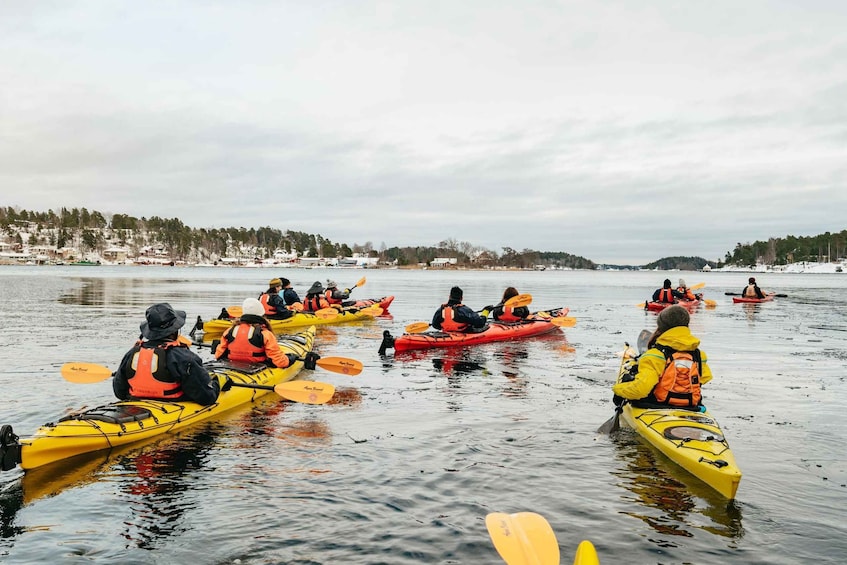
{"points": [[659, 306], [537, 324], [383, 302], [745, 300]]}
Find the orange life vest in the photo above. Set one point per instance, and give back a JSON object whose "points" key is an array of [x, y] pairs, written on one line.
{"points": [[245, 343], [449, 324], [330, 299], [687, 292], [666, 295], [508, 315], [149, 376], [679, 384], [315, 302], [269, 310]]}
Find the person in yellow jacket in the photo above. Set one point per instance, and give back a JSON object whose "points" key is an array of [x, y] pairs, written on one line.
{"points": [[671, 372]]}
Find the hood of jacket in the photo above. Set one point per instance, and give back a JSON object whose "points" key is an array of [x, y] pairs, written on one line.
{"points": [[679, 339]]}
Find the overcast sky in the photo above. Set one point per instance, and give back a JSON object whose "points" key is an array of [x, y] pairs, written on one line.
{"points": [[620, 131]]}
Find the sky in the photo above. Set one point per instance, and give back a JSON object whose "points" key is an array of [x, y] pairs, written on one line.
{"points": [[620, 131]]}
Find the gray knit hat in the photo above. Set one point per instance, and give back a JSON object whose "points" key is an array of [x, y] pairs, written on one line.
{"points": [[672, 317]]}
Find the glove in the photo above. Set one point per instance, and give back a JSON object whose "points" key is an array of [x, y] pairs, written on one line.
{"points": [[227, 385], [485, 312], [292, 358], [347, 290], [310, 362], [618, 400]]}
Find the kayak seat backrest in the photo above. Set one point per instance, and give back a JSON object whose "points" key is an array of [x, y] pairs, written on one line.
{"points": [[114, 414]]}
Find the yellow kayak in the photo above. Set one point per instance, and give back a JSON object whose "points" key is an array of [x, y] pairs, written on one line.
{"points": [[122, 423], [692, 440], [298, 320]]}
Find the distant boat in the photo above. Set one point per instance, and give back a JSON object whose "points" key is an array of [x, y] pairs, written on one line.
{"points": [[85, 263]]}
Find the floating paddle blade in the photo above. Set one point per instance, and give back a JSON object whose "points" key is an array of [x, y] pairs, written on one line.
{"points": [[307, 392], [586, 554], [326, 313], [85, 373], [518, 301], [341, 365], [417, 327], [524, 538]]}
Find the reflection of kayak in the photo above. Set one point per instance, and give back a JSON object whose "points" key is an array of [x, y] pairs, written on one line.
{"points": [[126, 422], [692, 440], [298, 320], [742, 299], [383, 302], [659, 306], [537, 324]]}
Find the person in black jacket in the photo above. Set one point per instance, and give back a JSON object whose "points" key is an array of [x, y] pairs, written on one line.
{"points": [[456, 317], [161, 367]]}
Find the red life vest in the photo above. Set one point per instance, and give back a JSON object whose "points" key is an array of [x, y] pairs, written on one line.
{"points": [[687, 293], [508, 315], [679, 384], [315, 302], [330, 299], [666, 295], [245, 343], [449, 324], [149, 376], [269, 310]]}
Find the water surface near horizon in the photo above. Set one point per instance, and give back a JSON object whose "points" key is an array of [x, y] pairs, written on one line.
{"points": [[405, 464]]}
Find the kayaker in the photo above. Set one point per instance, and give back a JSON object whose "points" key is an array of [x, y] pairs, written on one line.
{"points": [[752, 290], [686, 292], [666, 294], [315, 299], [251, 339], [289, 295], [456, 317], [503, 313], [672, 371], [335, 296], [272, 303], [160, 366]]}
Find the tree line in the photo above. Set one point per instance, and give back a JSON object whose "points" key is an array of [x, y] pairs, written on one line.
{"points": [[790, 249], [90, 230]]}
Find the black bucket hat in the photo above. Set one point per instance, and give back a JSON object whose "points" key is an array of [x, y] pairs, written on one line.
{"points": [[162, 321], [317, 288]]}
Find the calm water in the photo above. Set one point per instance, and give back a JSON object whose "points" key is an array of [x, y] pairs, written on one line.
{"points": [[419, 448]]}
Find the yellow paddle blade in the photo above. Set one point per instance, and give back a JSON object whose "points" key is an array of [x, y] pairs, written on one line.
{"points": [[697, 286], [307, 392], [518, 301], [234, 311], [85, 373], [326, 313], [586, 554], [342, 365], [710, 303], [642, 305], [417, 327], [372, 310], [360, 282], [563, 321], [524, 538]]}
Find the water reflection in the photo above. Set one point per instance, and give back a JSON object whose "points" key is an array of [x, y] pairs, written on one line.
{"points": [[660, 485], [750, 310], [157, 491]]}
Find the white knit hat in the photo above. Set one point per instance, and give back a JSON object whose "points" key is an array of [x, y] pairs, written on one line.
{"points": [[252, 306]]}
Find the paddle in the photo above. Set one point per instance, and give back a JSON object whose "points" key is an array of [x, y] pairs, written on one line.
{"points": [[739, 294], [523, 538], [560, 321], [613, 423], [323, 313], [359, 283], [307, 392], [513, 302], [342, 365]]}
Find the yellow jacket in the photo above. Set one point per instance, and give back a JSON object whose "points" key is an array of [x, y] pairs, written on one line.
{"points": [[651, 364]]}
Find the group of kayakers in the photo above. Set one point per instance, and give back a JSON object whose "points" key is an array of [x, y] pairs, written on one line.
{"points": [[669, 295], [453, 316], [281, 301]]}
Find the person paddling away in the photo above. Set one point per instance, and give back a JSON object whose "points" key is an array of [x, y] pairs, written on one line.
{"points": [[666, 294], [672, 371], [686, 292], [503, 313], [272, 303], [251, 340], [335, 296], [161, 367], [456, 317], [315, 299], [752, 290]]}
